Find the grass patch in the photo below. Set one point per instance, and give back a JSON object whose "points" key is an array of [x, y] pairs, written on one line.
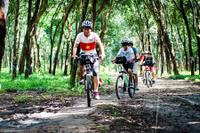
{"points": [[111, 110], [186, 76], [48, 83], [43, 83], [23, 98], [103, 128]]}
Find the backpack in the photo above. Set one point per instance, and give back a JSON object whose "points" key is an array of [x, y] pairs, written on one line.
{"points": [[120, 60], [135, 50], [148, 59]]}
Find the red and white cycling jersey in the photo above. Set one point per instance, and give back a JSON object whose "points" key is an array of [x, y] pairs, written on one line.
{"points": [[87, 44]]}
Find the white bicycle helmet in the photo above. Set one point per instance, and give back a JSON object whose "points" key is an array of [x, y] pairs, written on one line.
{"points": [[87, 24], [125, 42]]}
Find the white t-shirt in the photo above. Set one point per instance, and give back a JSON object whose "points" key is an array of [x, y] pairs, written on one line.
{"points": [[88, 44], [129, 54]]}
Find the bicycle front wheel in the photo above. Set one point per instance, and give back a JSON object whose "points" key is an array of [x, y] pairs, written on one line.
{"points": [[120, 87], [150, 79], [131, 87], [147, 79], [144, 78], [88, 88]]}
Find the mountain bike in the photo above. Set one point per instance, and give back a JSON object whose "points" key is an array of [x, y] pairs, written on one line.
{"points": [[88, 61], [147, 77], [123, 81]]}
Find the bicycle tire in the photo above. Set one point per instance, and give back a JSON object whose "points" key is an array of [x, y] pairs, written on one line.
{"points": [[150, 79], [119, 89], [144, 79], [131, 87], [147, 78], [88, 88]]}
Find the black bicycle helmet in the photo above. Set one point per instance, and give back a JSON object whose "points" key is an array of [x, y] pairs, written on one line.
{"points": [[87, 24], [125, 42], [130, 43]]}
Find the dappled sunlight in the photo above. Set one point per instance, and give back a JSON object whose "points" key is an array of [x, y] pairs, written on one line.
{"points": [[29, 122], [194, 123]]}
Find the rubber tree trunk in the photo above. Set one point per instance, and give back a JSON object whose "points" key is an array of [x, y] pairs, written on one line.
{"points": [[16, 41], [64, 19], [74, 65]]}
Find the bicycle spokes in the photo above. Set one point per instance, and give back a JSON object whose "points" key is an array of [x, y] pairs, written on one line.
{"points": [[131, 87], [120, 87]]}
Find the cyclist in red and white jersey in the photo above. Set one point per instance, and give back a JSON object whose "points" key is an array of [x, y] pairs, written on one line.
{"points": [[88, 42], [147, 60]]}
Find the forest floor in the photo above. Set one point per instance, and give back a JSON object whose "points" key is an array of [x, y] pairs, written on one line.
{"points": [[169, 106]]}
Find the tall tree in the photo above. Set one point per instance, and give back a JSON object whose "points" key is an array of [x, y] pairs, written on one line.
{"points": [[16, 41], [83, 17], [53, 34], [180, 7], [64, 19], [158, 9], [196, 25], [32, 21], [68, 41]]}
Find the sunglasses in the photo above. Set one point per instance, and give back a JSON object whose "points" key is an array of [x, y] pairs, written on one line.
{"points": [[87, 27], [125, 44]]}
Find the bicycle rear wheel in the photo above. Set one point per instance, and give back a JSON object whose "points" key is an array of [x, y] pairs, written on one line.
{"points": [[144, 79], [147, 79], [150, 79], [120, 87], [131, 87], [88, 88]]}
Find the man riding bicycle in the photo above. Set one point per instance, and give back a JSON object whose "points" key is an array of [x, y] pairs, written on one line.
{"points": [[128, 53], [88, 41], [136, 53], [147, 60]]}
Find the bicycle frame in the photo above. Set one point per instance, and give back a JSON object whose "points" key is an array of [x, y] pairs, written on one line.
{"points": [[125, 83], [89, 84], [147, 76]]}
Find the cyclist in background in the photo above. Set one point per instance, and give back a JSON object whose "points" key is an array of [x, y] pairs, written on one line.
{"points": [[135, 70], [148, 60], [127, 52], [88, 41]]}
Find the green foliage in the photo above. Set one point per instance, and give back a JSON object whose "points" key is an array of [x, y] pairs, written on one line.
{"points": [[23, 98], [186, 76], [50, 83], [103, 128], [44, 82], [113, 110]]}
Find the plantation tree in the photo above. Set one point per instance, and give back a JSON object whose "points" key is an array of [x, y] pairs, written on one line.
{"points": [[195, 7], [16, 40], [83, 17], [180, 7], [158, 10], [67, 10], [44, 33], [32, 21], [54, 28], [68, 42]]}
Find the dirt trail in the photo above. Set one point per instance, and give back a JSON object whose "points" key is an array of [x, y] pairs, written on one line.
{"points": [[170, 105]]}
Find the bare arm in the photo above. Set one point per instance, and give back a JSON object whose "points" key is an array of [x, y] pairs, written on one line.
{"points": [[101, 48], [75, 50]]}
